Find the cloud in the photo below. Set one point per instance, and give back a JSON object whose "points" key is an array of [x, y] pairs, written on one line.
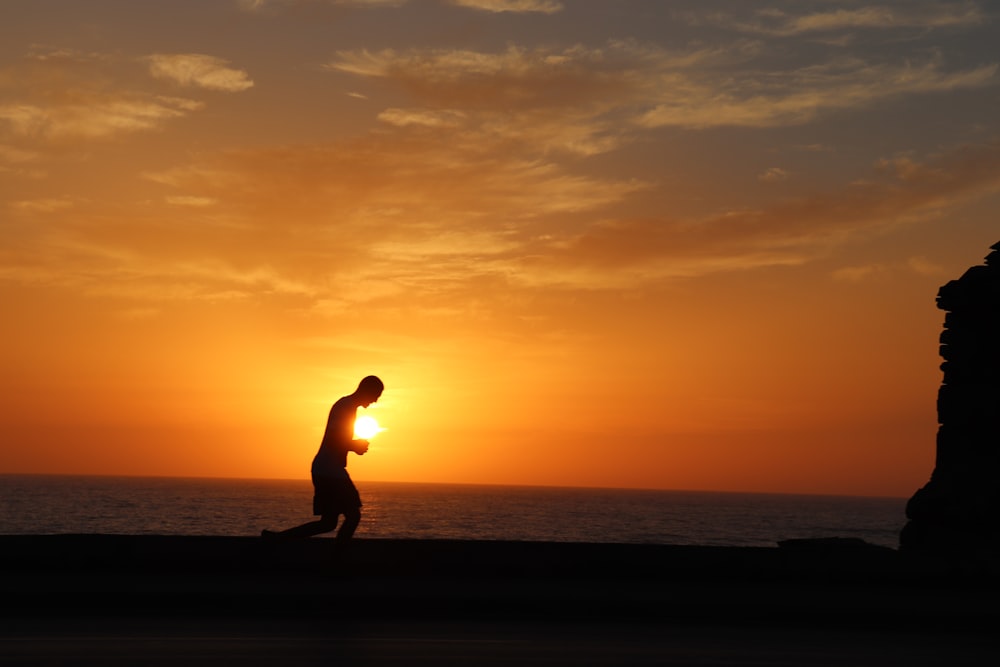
{"points": [[514, 6], [199, 70], [576, 99], [773, 175], [435, 219], [422, 117], [438, 184], [857, 274], [61, 94], [494, 6], [914, 265], [198, 202], [476, 184], [49, 205], [626, 86], [120, 269], [925, 267], [414, 212], [799, 96], [261, 5], [430, 221], [96, 117], [614, 253], [922, 16], [574, 132], [514, 78]]}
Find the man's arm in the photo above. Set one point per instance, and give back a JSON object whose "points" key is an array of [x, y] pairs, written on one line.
{"points": [[358, 446], [341, 427]]}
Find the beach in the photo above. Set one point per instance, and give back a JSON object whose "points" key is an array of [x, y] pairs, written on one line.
{"points": [[115, 599]]}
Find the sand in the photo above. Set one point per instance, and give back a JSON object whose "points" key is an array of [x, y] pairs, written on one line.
{"points": [[162, 600]]}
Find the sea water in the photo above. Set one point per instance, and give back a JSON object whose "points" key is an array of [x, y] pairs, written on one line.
{"points": [[41, 504]]}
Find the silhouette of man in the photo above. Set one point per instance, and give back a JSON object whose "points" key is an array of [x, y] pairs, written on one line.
{"points": [[334, 492]]}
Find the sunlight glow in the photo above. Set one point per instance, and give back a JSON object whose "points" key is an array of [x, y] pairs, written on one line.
{"points": [[366, 427]]}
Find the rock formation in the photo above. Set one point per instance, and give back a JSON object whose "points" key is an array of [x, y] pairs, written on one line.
{"points": [[959, 508]]}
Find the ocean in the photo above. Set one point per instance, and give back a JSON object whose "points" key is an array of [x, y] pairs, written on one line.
{"points": [[42, 504]]}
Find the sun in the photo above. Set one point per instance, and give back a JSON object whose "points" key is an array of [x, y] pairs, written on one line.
{"points": [[366, 427]]}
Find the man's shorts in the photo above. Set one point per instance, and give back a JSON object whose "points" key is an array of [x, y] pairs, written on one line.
{"points": [[333, 496]]}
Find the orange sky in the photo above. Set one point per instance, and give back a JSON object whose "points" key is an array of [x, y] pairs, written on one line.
{"points": [[686, 245]]}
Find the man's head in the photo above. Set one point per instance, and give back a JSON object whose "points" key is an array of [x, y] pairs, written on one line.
{"points": [[369, 390]]}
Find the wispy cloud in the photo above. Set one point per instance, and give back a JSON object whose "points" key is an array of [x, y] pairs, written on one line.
{"points": [[49, 205], [112, 268], [575, 99], [491, 168], [799, 96], [654, 87], [556, 100], [925, 267], [787, 232], [199, 70], [921, 16], [261, 5], [857, 274], [517, 6], [95, 116], [516, 77], [495, 6], [773, 175], [422, 117], [437, 219], [426, 216], [59, 94], [185, 200], [866, 272], [438, 184]]}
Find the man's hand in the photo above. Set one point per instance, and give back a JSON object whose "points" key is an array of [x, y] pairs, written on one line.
{"points": [[360, 446]]}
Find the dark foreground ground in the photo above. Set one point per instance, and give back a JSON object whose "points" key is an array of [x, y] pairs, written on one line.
{"points": [[167, 600]]}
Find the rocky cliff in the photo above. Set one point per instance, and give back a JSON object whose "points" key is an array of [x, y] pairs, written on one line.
{"points": [[959, 508]]}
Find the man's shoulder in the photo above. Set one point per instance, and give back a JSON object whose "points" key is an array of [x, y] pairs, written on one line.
{"points": [[343, 403]]}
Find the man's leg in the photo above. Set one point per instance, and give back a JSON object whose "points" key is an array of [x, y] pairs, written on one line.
{"points": [[352, 518], [325, 524]]}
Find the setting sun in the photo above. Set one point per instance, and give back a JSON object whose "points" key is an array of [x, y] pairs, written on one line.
{"points": [[366, 427]]}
